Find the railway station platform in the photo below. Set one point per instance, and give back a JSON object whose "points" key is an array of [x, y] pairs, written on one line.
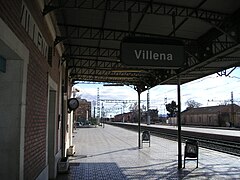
{"points": [[112, 153]]}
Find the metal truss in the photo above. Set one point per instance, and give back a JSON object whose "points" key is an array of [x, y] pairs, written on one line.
{"points": [[80, 32], [93, 51], [101, 78], [96, 33], [196, 51], [137, 7], [217, 42], [96, 69], [93, 64], [109, 74], [226, 72], [120, 101], [202, 52], [216, 19], [98, 75]]}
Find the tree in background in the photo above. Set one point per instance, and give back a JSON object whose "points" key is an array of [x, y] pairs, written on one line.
{"points": [[172, 109], [192, 104]]}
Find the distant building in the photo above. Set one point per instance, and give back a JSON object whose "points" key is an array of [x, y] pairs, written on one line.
{"points": [[153, 113], [83, 112], [162, 118], [222, 115], [132, 117], [129, 117]]}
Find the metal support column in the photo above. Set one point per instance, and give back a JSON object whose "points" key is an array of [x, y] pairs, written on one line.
{"points": [[179, 125], [148, 109], [62, 122], [98, 107], [139, 120]]}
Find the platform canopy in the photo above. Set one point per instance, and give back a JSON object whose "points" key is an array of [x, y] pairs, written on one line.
{"points": [[91, 32]]}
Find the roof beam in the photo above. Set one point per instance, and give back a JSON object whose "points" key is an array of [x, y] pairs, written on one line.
{"points": [[186, 18], [103, 77], [156, 8], [148, 5], [78, 50], [93, 63], [102, 26], [216, 43], [93, 33]]}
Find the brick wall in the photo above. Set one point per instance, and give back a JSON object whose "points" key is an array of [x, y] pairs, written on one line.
{"points": [[36, 113], [37, 85]]}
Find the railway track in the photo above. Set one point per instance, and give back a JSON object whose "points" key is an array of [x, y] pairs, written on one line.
{"points": [[208, 141]]}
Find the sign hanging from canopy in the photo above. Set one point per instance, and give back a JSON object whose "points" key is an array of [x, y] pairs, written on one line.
{"points": [[152, 52]]}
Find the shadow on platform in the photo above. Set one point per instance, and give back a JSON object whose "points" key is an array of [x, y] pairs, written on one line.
{"points": [[107, 171], [93, 171]]}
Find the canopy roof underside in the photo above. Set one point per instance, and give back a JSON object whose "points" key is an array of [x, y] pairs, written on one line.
{"points": [[91, 32]]}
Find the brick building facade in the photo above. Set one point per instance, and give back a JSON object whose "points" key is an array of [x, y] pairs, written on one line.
{"points": [[132, 117], [83, 112], [32, 113], [222, 115]]}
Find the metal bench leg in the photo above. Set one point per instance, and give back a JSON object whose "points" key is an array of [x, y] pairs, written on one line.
{"points": [[197, 162], [184, 162]]}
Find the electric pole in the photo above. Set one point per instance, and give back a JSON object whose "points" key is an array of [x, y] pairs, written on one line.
{"points": [[232, 110]]}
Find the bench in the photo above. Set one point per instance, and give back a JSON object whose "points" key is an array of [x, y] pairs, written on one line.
{"points": [[146, 137], [191, 151]]}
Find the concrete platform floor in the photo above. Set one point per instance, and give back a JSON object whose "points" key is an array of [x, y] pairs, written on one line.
{"points": [[112, 153]]}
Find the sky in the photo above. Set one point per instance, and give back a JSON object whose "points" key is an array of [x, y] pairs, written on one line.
{"points": [[208, 91]]}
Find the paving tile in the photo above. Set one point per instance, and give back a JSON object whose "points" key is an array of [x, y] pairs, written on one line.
{"points": [[113, 153]]}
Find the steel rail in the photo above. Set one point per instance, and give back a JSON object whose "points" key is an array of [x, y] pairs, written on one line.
{"points": [[224, 146]]}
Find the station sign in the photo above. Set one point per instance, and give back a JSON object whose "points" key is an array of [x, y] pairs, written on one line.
{"points": [[152, 52]]}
